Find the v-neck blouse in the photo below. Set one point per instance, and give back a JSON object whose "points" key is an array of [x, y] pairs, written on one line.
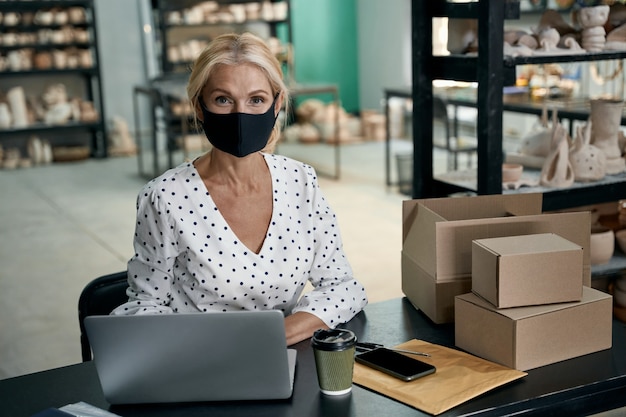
{"points": [[187, 259]]}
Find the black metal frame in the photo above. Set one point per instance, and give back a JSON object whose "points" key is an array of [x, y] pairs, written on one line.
{"points": [[92, 77], [492, 71]]}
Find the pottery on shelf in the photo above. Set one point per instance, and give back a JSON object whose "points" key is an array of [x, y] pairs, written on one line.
{"points": [[549, 44], [5, 116], [592, 20], [557, 170], [588, 161], [17, 102], [601, 244], [616, 39], [537, 141], [511, 172], [606, 115]]}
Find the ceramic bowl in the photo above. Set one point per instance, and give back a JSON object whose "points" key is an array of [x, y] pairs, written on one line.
{"points": [[511, 172], [602, 244], [620, 237]]}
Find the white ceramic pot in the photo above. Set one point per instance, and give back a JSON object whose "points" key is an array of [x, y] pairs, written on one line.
{"points": [[602, 245], [511, 172]]}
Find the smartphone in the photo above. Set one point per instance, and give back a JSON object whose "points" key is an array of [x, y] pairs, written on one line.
{"points": [[395, 364]]}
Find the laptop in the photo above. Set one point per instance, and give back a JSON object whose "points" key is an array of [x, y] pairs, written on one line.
{"points": [[166, 358]]}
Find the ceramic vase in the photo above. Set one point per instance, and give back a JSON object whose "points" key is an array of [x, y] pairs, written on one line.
{"points": [[588, 161], [17, 102], [5, 116], [557, 171], [606, 115]]}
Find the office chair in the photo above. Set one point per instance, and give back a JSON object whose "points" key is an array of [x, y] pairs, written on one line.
{"points": [[99, 298], [453, 144]]}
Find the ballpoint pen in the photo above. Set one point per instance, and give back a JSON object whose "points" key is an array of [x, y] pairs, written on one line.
{"points": [[366, 347]]}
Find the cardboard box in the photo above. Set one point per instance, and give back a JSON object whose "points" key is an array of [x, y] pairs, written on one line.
{"points": [[515, 271], [438, 232], [434, 298], [529, 337]]}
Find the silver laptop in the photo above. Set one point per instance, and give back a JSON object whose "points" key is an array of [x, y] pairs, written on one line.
{"points": [[166, 358]]}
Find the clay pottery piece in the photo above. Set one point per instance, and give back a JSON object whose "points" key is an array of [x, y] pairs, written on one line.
{"points": [[593, 16], [511, 172], [17, 103], [537, 141], [592, 20], [12, 158], [461, 34], [43, 60], [5, 116], [606, 115], [528, 40], [77, 15], [621, 283], [601, 245], [553, 19], [35, 150], [557, 171], [616, 39], [11, 19], [588, 161]]}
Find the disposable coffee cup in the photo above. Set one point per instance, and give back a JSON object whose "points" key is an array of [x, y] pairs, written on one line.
{"points": [[334, 360]]}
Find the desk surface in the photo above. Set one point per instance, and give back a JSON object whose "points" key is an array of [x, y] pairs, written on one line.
{"points": [[588, 384]]}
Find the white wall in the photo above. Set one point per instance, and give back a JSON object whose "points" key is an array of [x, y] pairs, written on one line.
{"points": [[384, 48], [121, 50]]}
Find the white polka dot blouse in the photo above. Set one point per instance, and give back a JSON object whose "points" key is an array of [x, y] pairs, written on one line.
{"points": [[188, 260]]}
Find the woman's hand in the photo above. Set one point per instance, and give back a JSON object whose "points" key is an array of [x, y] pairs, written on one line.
{"points": [[301, 325]]}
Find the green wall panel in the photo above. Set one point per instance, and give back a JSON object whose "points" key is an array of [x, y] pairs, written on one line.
{"points": [[325, 46]]}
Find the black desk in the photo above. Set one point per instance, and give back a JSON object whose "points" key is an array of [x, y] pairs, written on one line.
{"points": [[588, 384]]}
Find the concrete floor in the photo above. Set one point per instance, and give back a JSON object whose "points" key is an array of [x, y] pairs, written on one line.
{"points": [[64, 224]]}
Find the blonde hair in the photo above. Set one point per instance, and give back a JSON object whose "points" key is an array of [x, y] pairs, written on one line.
{"points": [[235, 49]]}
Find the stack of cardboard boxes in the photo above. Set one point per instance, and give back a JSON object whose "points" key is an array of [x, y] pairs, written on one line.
{"points": [[516, 282]]}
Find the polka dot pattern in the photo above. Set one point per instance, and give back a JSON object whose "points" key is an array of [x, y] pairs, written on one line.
{"points": [[188, 260]]}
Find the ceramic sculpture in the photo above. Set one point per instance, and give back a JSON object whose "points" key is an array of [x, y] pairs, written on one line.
{"points": [[616, 39], [58, 108], [121, 143], [549, 44], [592, 20], [606, 117], [17, 103], [557, 171], [537, 141], [588, 161], [5, 116]]}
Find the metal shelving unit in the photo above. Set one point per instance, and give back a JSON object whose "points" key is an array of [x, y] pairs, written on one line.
{"points": [[492, 71], [168, 30], [89, 77]]}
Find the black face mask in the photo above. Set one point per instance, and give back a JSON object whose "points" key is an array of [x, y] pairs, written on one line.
{"points": [[238, 134]]}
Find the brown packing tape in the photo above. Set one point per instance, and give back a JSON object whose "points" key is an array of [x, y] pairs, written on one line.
{"points": [[459, 378]]}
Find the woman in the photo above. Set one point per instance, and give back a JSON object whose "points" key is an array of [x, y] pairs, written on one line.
{"points": [[239, 228]]}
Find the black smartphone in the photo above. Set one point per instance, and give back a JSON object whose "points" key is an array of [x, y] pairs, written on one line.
{"points": [[395, 364]]}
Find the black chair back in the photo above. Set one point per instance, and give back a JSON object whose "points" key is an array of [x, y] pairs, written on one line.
{"points": [[99, 298]]}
